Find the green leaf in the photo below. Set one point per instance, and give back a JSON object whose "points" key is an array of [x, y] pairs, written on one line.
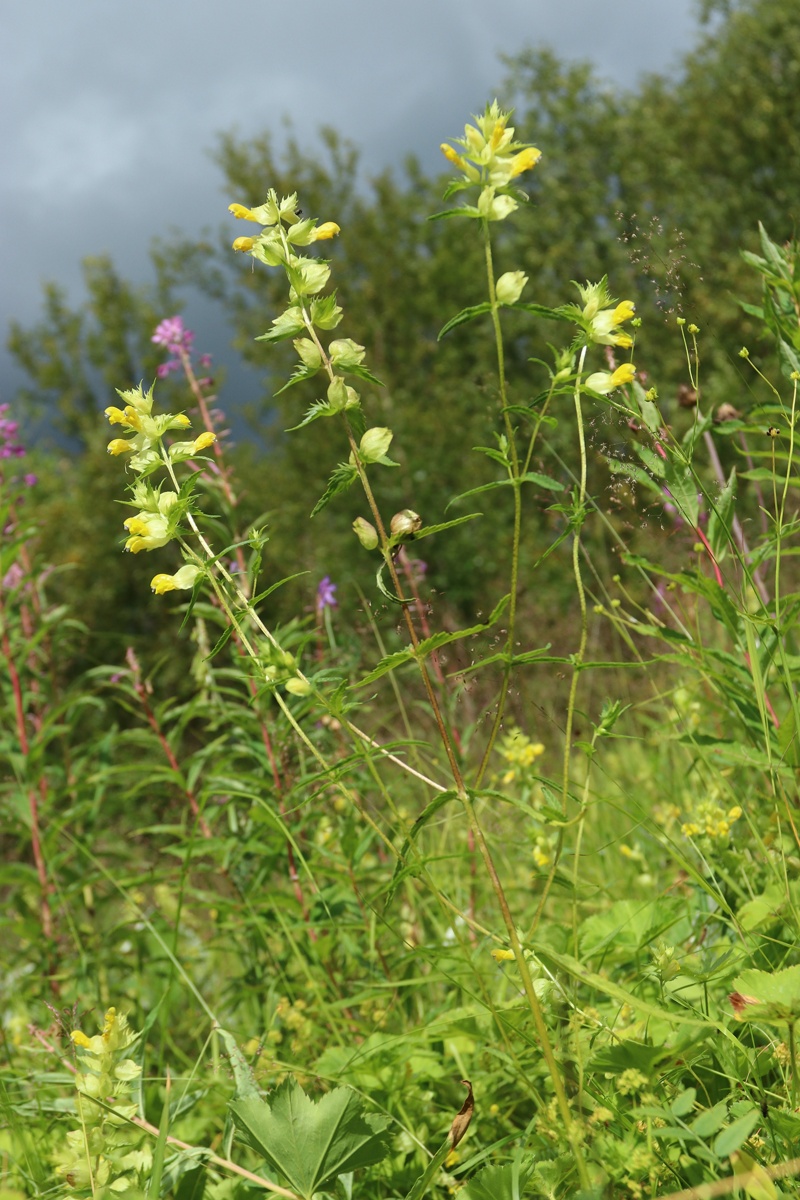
{"points": [[543, 481], [682, 488], [310, 1143], [429, 811], [683, 1103], [775, 995], [496, 1183], [721, 519], [637, 474], [711, 1120], [736, 1134], [391, 661], [541, 310], [342, 478], [466, 314]]}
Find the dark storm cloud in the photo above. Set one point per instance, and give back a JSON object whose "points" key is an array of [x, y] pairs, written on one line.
{"points": [[109, 108]]}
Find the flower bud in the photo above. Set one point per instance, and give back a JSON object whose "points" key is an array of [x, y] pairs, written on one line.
{"points": [[344, 353], [366, 533], [375, 444], [508, 288], [298, 687], [406, 523], [337, 394]]}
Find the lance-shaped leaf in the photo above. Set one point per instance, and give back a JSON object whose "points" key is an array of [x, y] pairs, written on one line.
{"points": [[310, 1143]]}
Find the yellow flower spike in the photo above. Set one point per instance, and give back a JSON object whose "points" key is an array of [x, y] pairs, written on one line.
{"points": [[116, 416], [244, 244], [242, 213], [204, 440], [525, 160], [624, 311], [328, 229], [503, 955], [119, 446]]}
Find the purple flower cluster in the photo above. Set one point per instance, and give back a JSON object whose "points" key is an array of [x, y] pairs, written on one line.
{"points": [[172, 333], [9, 446], [326, 595]]}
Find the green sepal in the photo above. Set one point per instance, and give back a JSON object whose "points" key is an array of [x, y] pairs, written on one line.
{"points": [[325, 312]]}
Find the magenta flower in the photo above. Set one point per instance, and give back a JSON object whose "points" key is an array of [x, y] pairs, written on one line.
{"points": [[171, 333]]}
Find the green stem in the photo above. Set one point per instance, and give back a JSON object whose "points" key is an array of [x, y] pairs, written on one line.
{"points": [[517, 530]]}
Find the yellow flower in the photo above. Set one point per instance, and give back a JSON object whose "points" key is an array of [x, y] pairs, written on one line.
{"points": [[116, 416], [182, 579], [204, 440], [503, 955], [244, 243], [624, 311], [119, 446], [328, 229], [524, 160], [242, 213], [453, 156]]}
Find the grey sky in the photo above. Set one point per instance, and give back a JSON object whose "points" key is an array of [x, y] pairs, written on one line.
{"points": [[108, 107]]}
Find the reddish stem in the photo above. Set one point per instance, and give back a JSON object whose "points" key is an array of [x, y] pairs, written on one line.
{"points": [[141, 692]]}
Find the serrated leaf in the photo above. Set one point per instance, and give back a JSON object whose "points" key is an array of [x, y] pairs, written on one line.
{"points": [[342, 478], [311, 1143], [466, 314], [770, 995], [363, 373], [541, 310], [320, 408]]}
